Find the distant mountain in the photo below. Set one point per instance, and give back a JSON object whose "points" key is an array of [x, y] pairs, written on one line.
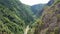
{"points": [[50, 2], [37, 9]]}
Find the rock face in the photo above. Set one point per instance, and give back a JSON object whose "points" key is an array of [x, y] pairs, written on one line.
{"points": [[50, 20]]}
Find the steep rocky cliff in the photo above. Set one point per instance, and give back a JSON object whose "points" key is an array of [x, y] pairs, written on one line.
{"points": [[50, 20]]}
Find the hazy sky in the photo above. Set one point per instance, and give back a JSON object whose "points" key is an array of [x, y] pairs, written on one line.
{"points": [[33, 2]]}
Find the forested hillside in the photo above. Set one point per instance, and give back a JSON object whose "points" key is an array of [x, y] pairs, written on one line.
{"points": [[14, 17], [38, 9]]}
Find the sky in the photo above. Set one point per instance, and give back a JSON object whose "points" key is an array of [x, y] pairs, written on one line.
{"points": [[33, 2]]}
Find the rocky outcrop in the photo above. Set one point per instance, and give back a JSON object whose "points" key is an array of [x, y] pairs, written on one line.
{"points": [[50, 20]]}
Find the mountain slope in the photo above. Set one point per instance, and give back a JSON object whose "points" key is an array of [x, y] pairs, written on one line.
{"points": [[50, 20], [14, 17]]}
